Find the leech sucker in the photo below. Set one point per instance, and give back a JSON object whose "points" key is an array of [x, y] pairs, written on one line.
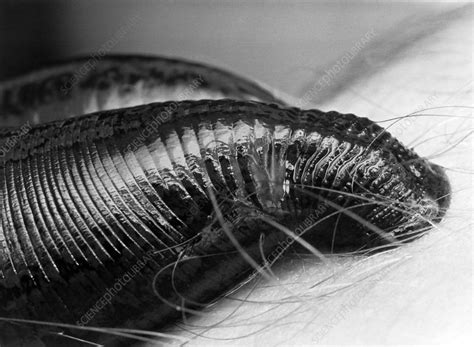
{"points": [[107, 219]]}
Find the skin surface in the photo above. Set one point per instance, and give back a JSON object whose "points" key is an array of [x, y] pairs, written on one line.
{"points": [[420, 293]]}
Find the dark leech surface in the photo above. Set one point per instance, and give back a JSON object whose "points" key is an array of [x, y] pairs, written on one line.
{"points": [[215, 266], [85, 85]]}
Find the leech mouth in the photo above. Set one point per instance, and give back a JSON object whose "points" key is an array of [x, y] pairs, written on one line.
{"points": [[441, 190]]}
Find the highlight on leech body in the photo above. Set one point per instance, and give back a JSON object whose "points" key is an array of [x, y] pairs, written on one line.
{"points": [[187, 198]]}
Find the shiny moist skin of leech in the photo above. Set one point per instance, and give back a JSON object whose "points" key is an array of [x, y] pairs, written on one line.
{"points": [[78, 86], [85, 200]]}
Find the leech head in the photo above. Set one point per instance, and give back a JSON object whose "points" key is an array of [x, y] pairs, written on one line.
{"points": [[347, 184], [342, 182]]}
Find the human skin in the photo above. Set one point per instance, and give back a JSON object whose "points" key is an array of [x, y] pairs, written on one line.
{"points": [[420, 293]]}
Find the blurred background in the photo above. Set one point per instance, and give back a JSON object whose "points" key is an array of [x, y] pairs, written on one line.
{"points": [[283, 44]]}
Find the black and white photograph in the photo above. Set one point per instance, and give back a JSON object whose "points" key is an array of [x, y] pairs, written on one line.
{"points": [[236, 173]]}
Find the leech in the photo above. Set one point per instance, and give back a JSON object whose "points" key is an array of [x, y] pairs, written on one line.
{"points": [[131, 217]]}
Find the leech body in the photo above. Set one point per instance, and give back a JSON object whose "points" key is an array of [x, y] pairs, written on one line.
{"points": [[83, 85], [84, 200]]}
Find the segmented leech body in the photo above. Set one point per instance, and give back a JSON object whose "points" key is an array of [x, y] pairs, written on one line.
{"points": [[84, 200], [83, 85]]}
